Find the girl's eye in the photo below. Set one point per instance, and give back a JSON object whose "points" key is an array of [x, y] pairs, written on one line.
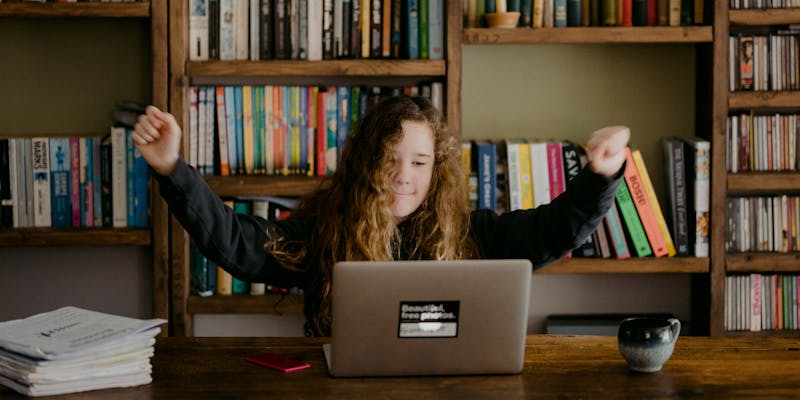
{"points": [[419, 163]]}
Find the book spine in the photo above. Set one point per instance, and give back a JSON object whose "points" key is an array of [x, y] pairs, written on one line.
{"points": [[96, 184], [75, 180], [322, 132], [141, 191], [222, 131], [42, 182], [331, 113], [14, 172], [269, 131], [315, 29], [209, 135], [539, 174], [130, 180], [514, 183], [60, 183], [643, 207], [106, 196], [312, 121], [422, 12], [6, 203], [227, 43], [559, 13], [526, 181], [574, 12], [213, 29], [327, 30], [119, 183], [487, 178], [676, 188], [343, 125], [87, 197], [412, 29], [555, 168], [198, 30], [631, 218], [651, 198]]}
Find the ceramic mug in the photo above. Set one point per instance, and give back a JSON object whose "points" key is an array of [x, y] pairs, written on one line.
{"points": [[647, 343]]}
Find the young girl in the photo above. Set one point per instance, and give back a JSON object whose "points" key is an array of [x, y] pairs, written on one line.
{"points": [[398, 194]]}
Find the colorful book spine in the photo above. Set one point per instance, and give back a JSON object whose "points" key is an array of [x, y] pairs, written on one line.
{"points": [[230, 129], [651, 198], [555, 167], [322, 132], [525, 175], [699, 173], [486, 165], [222, 132], [631, 218], [247, 130], [343, 123], [119, 183], [643, 207], [75, 180]]}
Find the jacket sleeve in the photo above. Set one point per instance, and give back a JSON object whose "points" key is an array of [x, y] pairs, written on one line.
{"points": [[548, 232], [234, 241]]}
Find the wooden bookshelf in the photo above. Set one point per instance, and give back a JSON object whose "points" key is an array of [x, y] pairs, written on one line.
{"points": [[326, 68], [763, 99], [246, 304], [763, 182], [663, 265], [775, 16], [763, 262], [75, 237], [765, 334], [82, 10], [652, 34], [294, 186]]}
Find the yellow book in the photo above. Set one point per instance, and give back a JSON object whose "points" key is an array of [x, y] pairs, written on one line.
{"points": [[365, 28], [651, 197], [247, 131], [466, 161], [525, 177]]}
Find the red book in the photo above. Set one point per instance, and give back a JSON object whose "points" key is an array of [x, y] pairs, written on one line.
{"points": [[75, 179], [555, 169], [643, 207], [652, 12], [322, 132]]}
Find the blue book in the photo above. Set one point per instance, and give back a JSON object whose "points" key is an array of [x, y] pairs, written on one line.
{"points": [[141, 191], [343, 120], [615, 233], [486, 160], [491, 6], [230, 128], [129, 178], [86, 181], [412, 29], [237, 98], [61, 206], [559, 13]]}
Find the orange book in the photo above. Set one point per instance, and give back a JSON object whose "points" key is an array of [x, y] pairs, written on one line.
{"points": [[651, 196], [643, 207]]}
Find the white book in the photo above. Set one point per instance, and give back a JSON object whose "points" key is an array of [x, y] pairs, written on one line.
{"points": [[755, 302], [13, 180], [435, 29], [198, 30], [338, 32], [40, 160], [227, 42], [302, 28], [255, 29], [193, 108], [241, 17], [437, 95], [540, 174], [209, 135], [27, 179], [314, 30], [222, 128], [119, 180], [514, 182], [702, 187]]}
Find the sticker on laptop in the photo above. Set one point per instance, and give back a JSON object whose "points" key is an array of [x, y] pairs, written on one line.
{"points": [[428, 319]]}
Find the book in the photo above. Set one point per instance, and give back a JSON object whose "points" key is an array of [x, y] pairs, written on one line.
{"points": [[198, 30], [42, 174], [698, 192], [73, 350], [651, 197], [643, 206], [674, 170], [484, 162], [635, 230]]}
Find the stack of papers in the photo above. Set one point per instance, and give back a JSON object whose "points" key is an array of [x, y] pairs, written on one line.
{"points": [[74, 350]]}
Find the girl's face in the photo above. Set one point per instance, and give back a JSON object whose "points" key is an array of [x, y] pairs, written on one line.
{"points": [[412, 169]]}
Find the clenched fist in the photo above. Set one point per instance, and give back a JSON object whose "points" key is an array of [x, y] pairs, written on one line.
{"points": [[158, 137], [606, 150]]}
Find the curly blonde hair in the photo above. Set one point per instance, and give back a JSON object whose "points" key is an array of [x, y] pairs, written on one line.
{"points": [[351, 210]]}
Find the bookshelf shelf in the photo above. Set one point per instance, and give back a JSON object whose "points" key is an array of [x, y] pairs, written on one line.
{"points": [[246, 304], [779, 16], [763, 99], [60, 10], [664, 265], [764, 334], [327, 68], [231, 186], [75, 237], [763, 262], [764, 182], [657, 34]]}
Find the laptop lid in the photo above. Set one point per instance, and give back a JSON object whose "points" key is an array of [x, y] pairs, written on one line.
{"points": [[429, 317]]}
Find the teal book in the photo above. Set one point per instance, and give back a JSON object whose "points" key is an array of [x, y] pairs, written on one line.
{"points": [[239, 286], [616, 234], [632, 221], [412, 29], [331, 118]]}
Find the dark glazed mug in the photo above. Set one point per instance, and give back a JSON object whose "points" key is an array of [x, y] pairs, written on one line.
{"points": [[647, 343]]}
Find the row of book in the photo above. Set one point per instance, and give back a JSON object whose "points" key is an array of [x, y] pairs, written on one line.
{"points": [[763, 142], [762, 4], [68, 1], [280, 130], [758, 302], [567, 13], [764, 62], [316, 29], [768, 223], [208, 278], [515, 174], [73, 182]]}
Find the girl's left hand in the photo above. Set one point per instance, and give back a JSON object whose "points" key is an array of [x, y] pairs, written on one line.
{"points": [[606, 150]]}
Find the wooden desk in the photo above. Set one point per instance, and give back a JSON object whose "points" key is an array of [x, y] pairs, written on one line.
{"points": [[555, 366]]}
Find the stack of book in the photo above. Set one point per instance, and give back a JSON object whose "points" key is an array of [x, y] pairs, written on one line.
{"points": [[74, 350]]}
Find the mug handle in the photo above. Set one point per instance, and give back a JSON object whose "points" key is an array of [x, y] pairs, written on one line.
{"points": [[675, 326]]}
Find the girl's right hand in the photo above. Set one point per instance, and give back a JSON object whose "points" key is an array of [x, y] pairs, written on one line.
{"points": [[158, 137]]}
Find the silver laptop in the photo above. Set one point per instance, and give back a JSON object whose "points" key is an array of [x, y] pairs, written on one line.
{"points": [[429, 317]]}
